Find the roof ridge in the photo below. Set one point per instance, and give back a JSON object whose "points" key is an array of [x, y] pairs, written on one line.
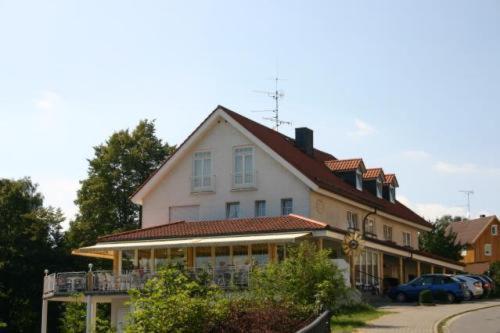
{"points": [[308, 219]]}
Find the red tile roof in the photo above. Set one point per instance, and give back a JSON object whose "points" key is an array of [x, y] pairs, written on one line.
{"points": [[345, 165], [373, 173], [390, 178], [220, 227], [468, 230]]}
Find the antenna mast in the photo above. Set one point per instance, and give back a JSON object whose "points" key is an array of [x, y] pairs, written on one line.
{"points": [[468, 194], [276, 95]]}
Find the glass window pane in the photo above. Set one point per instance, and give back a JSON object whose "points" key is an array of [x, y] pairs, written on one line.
{"points": [[161, 258], [222, 258], [260, 254], [240, 255], [144, 258], [203, 257], [128, 258], [178, 256]]}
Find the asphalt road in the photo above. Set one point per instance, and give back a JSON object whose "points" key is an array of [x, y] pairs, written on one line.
{"points": [[480, 321]]}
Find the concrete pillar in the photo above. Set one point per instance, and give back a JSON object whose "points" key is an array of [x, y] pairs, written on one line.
{"points": [[91, 314], [45, 306], [381, 272], [432, 269], [418, 268], [401, 270]]}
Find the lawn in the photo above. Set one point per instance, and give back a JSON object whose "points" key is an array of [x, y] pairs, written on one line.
{"points": [[354, 318]]}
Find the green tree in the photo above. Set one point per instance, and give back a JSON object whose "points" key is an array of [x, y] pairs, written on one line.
{"points": [[29, 239], [306, 278], [174, 302], [117, 169], [440, 240]]}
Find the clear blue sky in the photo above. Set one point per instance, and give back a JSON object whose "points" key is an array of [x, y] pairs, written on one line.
{"points": [[412, 86]]}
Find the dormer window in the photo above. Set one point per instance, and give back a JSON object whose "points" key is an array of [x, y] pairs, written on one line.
{"points": [[202, 178], [359, 180], [379, 188], [392, 194]]}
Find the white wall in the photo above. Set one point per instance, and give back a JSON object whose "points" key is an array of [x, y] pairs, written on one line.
{"points": [[274, 182]]}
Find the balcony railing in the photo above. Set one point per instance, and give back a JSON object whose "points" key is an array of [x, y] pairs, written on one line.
{"points": [[203, 184], [244, 180], [68, 283]]}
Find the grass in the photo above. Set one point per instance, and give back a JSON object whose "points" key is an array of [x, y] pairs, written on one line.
{"points": [[353, 318]]}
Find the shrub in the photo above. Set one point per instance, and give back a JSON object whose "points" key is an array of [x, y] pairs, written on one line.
{"points": [[425, 297], [495, 275], [74, 318], [307, 278], [175, 302]]}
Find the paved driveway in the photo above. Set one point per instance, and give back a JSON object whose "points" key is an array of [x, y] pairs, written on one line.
{"points": [[419, 319], [484, 321]]}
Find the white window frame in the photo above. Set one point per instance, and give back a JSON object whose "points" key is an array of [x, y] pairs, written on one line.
{"points": [[207, 181], [406, 238], [352, 221], [359, 180], [494, 230], [228, 209], [387, 232], [288, 210], [244, 173], [379, 187], [258, 211], [488, 249], [370, 227], [392, 194]]}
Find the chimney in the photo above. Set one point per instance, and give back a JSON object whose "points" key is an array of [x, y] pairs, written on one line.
{"points": [[304, 140], [482, 215]]}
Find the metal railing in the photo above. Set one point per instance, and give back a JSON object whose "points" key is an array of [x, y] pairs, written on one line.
{"points": [[203, 184], [108, 282], [244, 180]]}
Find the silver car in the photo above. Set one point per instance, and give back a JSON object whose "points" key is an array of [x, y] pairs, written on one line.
{"points": [[474, 287]]}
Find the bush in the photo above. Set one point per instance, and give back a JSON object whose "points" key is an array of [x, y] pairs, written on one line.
{"points": [[425, 297], [307, 278], [74, 318], [495, 275], [175, 302]]}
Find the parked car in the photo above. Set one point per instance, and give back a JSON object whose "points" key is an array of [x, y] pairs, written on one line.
{"points": [[492, 283], [484, 282], [438, 284], [474, 287]]}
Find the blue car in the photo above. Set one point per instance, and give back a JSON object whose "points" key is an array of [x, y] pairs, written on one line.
{"points": [[436, 283]]}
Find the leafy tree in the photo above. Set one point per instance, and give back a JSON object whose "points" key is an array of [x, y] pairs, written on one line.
{"points": [[117, 169], [31, 234], [175, 302], [74, 317], [440, 240], [306, 278]]}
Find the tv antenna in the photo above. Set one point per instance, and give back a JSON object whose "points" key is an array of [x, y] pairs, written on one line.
{"points": [[276, 95], [468, 193]]}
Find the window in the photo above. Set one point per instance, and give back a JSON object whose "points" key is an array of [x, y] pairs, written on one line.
{"points": [[243, 168], [240, 255], [494, 230], [379, 188], [203, 257], [387, 233], [487, 249], [144, 259], [359, 180], [128, 260], [352, 220], [370, 227], [260, 208], [463, 252], [392, 194], [202, 172], [260, 254], [286, 206], [406, 239], [232, 210]]}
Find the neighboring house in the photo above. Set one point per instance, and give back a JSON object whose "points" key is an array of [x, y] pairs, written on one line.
{"points": [[234, 195], [481, 242]]}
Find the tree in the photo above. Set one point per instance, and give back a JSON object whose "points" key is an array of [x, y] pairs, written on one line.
{"points": [[440, 240], [28, 244], [117, 169], [174, 302]]}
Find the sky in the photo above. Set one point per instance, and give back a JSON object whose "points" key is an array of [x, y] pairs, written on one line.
{"points": [[410, 86]]}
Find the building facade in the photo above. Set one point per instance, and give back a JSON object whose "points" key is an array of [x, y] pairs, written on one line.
{"points": [[234, 195]]}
